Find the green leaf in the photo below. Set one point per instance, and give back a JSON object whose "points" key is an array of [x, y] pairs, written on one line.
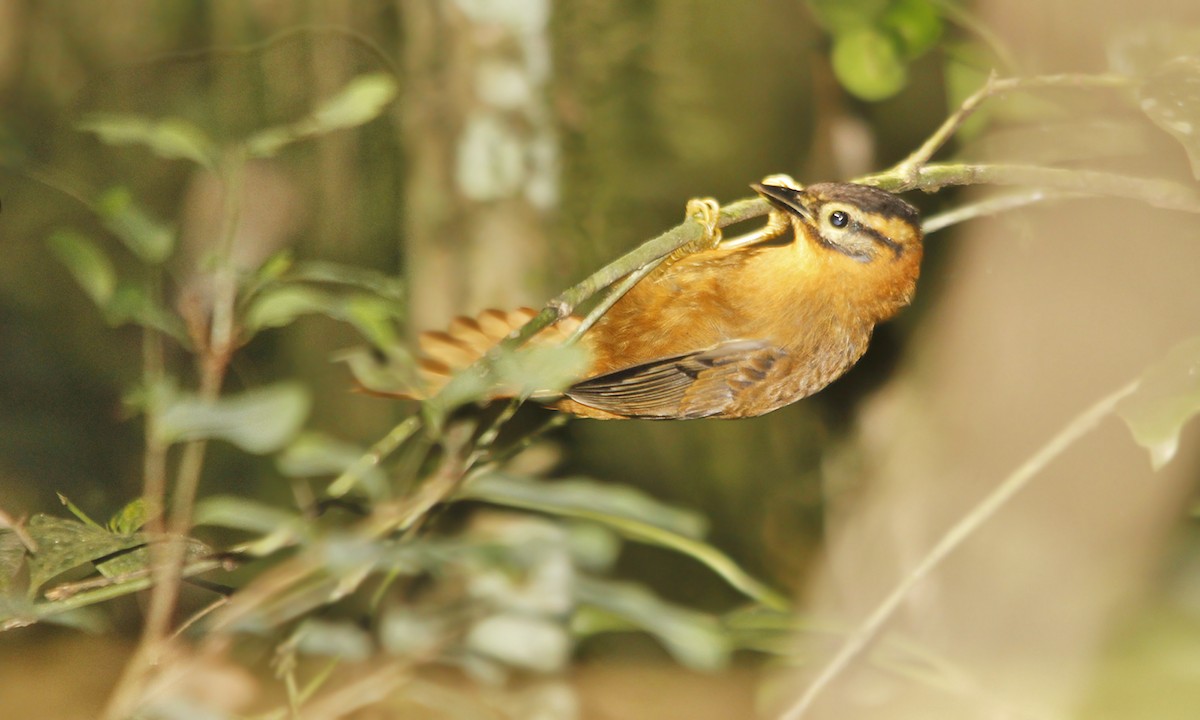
{"points": [[868, 64], [916, 23], [12, 559], [65, 544], [536, 369], [87, 263], [468, 385], [373, 317], [147, 238], [628, 513], [576, 496], [242, 514], [377, 283], [1171, 99], [170, 138], [531, 371], [377, 374], [363, 99], [693, 638], [78, 512], [134, 303], [130, 518], [275, 267], [763, 629], [138, 559], [259, 421], [1168, 396], [529, 642], [333, 639], [274, 527], [280, 306]]}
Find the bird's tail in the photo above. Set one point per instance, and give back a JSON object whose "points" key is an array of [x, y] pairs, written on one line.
{"points": [[445, 352]]}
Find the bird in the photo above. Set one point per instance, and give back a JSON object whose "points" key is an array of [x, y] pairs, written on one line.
{"points": [[740, 327]]}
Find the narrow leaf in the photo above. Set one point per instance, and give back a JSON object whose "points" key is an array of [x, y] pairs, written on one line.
{"points": [[87, 263], [382, 284], [539, 497], [258, 421], [524, 641], [138, 559], [693, 638], [280, 306], [134, 303], [582, 495], [274, 527], [362, 100], [146, 237], [65, 544], [170, 138], [1168, 396], [1171, 99], [333, 639], [78, 512], [242, 514], [130, 518]]}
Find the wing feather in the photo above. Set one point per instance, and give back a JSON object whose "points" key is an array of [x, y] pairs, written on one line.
{"points": [[691, 385]]}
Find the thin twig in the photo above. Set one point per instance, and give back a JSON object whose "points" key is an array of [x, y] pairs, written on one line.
{"points": [[167, 558], [992, 206], [612, 297], [868, 631], [1156, 192], [994, 86], [645, 254], [371, 459]]}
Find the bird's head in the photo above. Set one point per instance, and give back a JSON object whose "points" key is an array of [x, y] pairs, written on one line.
{"points": [[871, 235], [861, 222]]}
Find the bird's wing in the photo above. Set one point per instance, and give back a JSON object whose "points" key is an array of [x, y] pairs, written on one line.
{"points": [[692, 385]]}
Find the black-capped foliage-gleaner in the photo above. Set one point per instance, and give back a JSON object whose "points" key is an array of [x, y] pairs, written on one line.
{"points": [[741, 328]]}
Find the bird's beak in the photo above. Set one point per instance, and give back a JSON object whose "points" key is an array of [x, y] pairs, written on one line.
{"points": [[785, 198]]}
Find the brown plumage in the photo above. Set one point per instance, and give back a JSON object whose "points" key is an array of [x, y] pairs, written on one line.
{"points": [[741, 329]]}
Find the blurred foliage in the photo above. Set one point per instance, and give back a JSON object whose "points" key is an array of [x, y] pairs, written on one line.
{"points": [[874, 40]]}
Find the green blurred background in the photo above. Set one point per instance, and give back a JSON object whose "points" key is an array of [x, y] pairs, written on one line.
{"points": [[618, 112]]}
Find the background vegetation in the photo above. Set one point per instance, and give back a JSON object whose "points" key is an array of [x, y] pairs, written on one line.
{"points": [[214, 217]]}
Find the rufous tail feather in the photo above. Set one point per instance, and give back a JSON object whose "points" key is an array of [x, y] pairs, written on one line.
{"points": [[443, 353]]}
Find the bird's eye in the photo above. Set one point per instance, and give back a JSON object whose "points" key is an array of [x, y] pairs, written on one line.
{"points": [[839, 218]]}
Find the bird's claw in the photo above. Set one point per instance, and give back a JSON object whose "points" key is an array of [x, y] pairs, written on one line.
{"points": [[782, 180], [707, 212]]}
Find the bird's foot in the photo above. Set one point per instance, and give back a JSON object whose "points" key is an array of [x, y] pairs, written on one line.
{"points": [[707, 212]]}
